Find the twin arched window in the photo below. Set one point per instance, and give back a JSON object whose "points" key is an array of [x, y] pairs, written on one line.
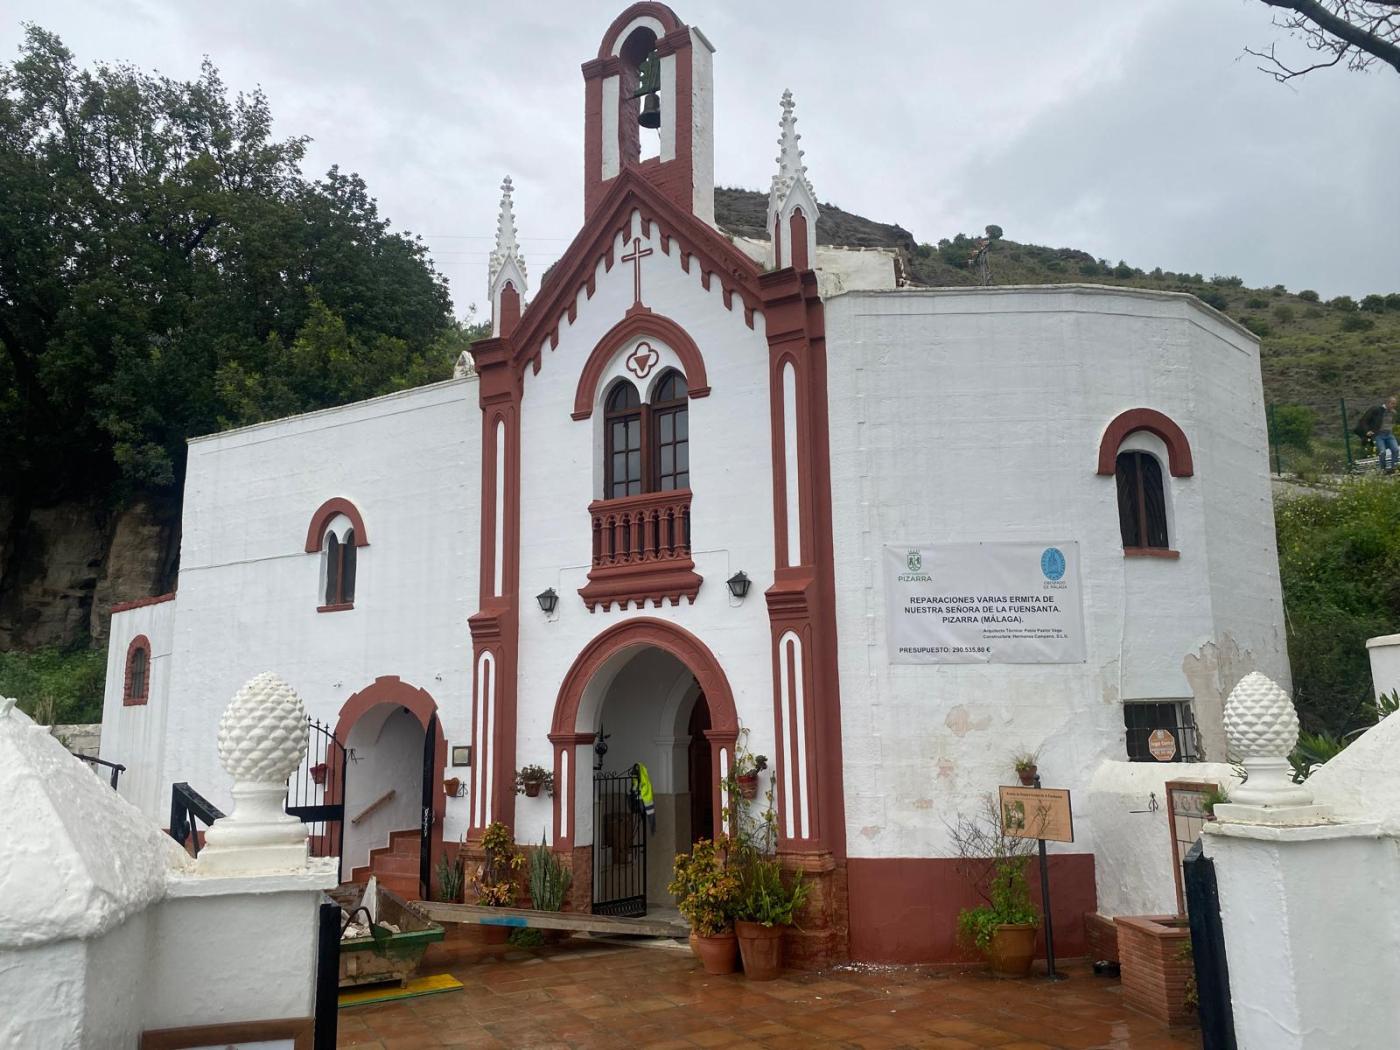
{"points": [[339, 569], [336, 532], [646, 446]]}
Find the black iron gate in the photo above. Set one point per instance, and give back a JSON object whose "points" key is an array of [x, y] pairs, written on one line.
{"points": [[619, 846], [316, 791], [1208, 951], [425, 832]]}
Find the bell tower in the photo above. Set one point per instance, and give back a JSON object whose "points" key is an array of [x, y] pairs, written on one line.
{"points": [[651, 71]]}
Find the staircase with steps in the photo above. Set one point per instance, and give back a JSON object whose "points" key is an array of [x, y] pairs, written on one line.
{"points": [[395, 865]]}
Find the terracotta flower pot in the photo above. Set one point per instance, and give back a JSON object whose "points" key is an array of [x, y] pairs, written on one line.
{"points": [[718, 954], [1012, 949], [318, 773], [761, 948], [532, 788], [452, 785], [1027, 776], [748, 785]]}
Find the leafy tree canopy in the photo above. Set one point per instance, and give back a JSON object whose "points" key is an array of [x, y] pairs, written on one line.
{"points": [[167, 270]]}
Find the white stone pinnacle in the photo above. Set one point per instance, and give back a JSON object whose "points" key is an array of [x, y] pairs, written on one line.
{"points": [[507, 247], [790, 167]]}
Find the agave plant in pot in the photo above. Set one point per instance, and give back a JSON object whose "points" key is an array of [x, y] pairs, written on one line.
{"points": [[766, 906], [1004, 926]]}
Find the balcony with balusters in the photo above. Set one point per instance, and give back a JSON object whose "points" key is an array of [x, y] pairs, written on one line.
{"points": [[641, 551]]}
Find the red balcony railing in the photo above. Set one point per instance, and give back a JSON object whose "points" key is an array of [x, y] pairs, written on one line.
{"points": [[641, 550]]}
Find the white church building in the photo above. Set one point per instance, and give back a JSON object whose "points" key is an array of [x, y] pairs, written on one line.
{"points": [[698, 496]]}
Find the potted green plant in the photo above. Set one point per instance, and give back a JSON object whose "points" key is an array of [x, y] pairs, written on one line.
{"points": [[549, 883], [495, 877], [1026, 765], [765, 906], [706, 891], [530, 779], [1004, 926]]}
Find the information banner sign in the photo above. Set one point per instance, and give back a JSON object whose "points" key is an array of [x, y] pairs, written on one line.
{"points": [[1037, 813], [990, 603]]}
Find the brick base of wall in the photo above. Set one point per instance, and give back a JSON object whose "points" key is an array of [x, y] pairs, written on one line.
{"points": [[1101, 935], [1155, 966]]}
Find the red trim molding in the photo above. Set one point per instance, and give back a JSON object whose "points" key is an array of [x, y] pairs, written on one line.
{"points": [[663, 14], [337, 607], [316, 531], [1151, 552], [130, 699], [1154, 422], [141, 603], [638, 322]]}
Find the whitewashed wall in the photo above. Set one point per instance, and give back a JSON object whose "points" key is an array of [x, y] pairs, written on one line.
{"points": [[248, 593], [388, 755], [731, 476], [976, 415], [133, 735]]}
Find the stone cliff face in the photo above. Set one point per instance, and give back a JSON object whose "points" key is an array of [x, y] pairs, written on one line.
{"points": [[63, 567]]}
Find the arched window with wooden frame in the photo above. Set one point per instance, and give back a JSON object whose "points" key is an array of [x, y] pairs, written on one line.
{"points": [[624, 448], [336, 533], [1142, 502], [670, 434], [136, 689]]}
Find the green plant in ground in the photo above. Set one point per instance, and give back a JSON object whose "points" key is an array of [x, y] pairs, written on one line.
{"points": [[451, 877], [495, 877], [525, 937], [1312, 750], [65, 686], [549, 878], [1292, 426], [995, 864], [764, 897], [1216, 796], [706, 891]]}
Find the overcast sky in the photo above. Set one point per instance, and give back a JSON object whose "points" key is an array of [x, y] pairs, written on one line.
{"points": [[1132, 129]]}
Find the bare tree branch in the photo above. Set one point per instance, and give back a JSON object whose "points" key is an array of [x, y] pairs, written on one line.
{"points": [[1359, 32]]}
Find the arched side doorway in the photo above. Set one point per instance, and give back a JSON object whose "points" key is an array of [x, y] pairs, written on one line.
{"points": [[394, 743], [646, 683]]}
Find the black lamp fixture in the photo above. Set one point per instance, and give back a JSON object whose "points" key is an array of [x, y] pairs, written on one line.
{"points": [[548, 600], [739, 584]]}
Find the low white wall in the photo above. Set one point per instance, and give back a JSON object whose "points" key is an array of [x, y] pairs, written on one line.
{"points": [[1132, 848], [1312, 944], [1385, 662], [234, 949], [42, 992]]}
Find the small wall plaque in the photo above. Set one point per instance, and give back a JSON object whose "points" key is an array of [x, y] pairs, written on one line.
{"points": [[462, 754]]}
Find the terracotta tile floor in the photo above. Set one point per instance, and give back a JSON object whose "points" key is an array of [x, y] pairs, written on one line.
{"points": [[587, 994]]}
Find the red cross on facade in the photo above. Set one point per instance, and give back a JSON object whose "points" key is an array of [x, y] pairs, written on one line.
{"points": [[635, 257]]}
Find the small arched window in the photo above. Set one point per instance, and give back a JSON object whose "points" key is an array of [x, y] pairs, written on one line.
{"points": [[137, 687], [1142, 501], [337, 532], [339, 570]]}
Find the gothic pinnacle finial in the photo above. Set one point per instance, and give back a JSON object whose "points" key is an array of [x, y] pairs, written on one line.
{"points": [[790, 166], [506, 245]]}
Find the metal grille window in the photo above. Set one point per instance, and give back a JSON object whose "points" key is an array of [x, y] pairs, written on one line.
{"points": [[1172, 717], [1142, 501]]}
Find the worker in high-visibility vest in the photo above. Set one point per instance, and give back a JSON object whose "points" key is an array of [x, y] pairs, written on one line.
{"points": [[641, 784]]}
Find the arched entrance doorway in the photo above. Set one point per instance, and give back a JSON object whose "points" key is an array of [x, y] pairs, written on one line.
{"points": [[394, 796], [653, 695]]}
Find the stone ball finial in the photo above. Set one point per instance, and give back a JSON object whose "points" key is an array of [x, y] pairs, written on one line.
{"points": [[262, 734], [1260, 721]]}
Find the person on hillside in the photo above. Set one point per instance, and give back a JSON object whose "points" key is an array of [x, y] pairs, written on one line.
{"points": [[1378, 424]]}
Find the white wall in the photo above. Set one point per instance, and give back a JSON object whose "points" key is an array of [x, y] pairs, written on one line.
{"points": [[976, 415], [732, 515], [388, 754], [1385, 663], [133, 735], [248, 593]]}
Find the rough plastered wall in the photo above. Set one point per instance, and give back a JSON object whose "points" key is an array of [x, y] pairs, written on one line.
{"points": [[1384, 653], [248, 593], [976, 415], [1132, 844], [134, 736], [731, 514]]}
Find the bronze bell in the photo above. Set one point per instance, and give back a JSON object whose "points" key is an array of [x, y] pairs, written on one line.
{"points": [[650, 117]]}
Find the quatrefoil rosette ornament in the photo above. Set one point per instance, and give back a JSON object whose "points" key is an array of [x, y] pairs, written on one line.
{"points": [[642, 360]]}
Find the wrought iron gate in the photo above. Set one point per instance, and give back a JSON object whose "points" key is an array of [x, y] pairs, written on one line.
{"points": [[425, 819], [1208, 952], [619, 847], [316, 791]]}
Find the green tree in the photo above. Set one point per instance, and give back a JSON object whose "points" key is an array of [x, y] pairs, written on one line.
{"points": [[166, 270], [1291, 426]]}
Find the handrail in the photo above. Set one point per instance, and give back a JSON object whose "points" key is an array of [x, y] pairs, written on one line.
{"points": [[387, 796], [186, 806], [116, 767]]}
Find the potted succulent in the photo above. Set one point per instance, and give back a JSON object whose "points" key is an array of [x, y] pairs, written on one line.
{"points": [[549, 884], [1004, 926], [1025, 764], [495, 877], [530, 779], [706, 892], [451, 877], [765, 906]]}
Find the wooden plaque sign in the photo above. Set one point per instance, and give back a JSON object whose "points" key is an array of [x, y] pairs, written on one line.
{"points": [[1037, 813], [1161, 745]]}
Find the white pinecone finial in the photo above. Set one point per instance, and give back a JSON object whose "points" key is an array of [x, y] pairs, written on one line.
{"points": [[262, 740], [1261, 729]]}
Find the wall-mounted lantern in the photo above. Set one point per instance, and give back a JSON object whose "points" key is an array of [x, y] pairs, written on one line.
{"points": [[548, 600], [739, 584]]}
